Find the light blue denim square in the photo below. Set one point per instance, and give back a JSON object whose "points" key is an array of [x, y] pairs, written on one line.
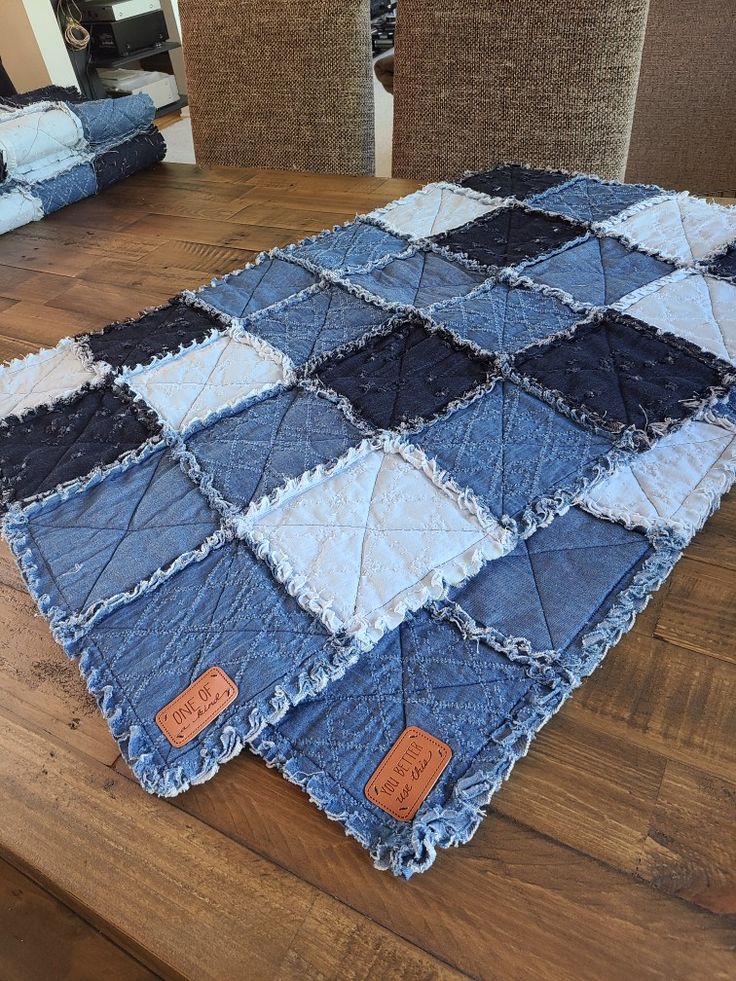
{"points": [[247, 455], [511, 449], [104, 539], [256, 287], [107, 122], [419, 279], [315, 322], [73, 185], [498, 317], [225, 611], [589, 199], [351, 245]]}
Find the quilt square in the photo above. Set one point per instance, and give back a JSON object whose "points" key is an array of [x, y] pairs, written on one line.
{"points": [[406, 375], [589, 199], [676, 483], [724, 264], [514, 180], [702, 309], [418, 278], [248, 455], [598, 271], [680, 228], [355, 244], [222, 611], [316, 321], [551, 585], [267, 281], [513, 450], [41, 378], [376, 537], [90, 544], [434, 209], [510, 236], [617, 373], [49, 446], [139, 341], [200, 381], [501, 317]]}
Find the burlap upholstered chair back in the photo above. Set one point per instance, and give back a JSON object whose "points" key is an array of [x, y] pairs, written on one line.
{"points": [[547, 82], [684, 133], [280, 83]]}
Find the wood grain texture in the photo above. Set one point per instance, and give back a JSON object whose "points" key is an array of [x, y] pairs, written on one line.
{"points": [[610, 853]]}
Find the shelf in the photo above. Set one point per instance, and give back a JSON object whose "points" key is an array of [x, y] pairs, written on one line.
{"points": [[172, 107], [137, 56]]}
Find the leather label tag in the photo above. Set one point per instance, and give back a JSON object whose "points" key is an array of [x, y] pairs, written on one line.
{"points": [[187, 715], [407, 773]]}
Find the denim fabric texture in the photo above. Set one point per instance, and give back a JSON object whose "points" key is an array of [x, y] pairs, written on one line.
{"points": [[724, 264], [380, 484]]}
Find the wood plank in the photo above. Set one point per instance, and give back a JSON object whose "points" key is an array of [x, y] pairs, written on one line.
{"points": [[84, 239], [678, 857], [140, 276], [108, 305], [213, 200], [35, 323], [716, 543], [11, 348], [41, 938], [700, 610], [304, 222], [209, 260], [154, 878], [24, 284], [230, 234]]}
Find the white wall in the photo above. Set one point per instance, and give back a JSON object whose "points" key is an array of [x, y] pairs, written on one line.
{"points": [[31, 46]]}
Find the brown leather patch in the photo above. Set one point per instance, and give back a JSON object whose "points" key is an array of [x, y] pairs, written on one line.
{"points": [[187, 715], [407, 773]]}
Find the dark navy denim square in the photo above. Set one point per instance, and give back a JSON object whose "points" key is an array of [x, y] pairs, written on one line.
{"points": [[226, 611], [419, 279], [598, 271], [509, 236], [622, 374], [257, 286], [50, 446], [251, 453], [408, 374], [514, 180], [725, 264], [316, 321], [355, 244], [498, 317], [138, 341], [511, 449], [589, 199], [551, 585], [107, 537]]}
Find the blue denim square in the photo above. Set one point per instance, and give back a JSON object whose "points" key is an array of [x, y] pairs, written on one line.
{"points": [[419, 279], [315, 322], [550, 587], [511, 449], [104, 539], [224, 611], [73, 185], [498, 317], [251, 453], [355, 244], [589, 199], [256, 287], [598, 271]]}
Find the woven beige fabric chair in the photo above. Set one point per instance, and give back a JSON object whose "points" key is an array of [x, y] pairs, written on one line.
{"points": [[549, 83], [280, 83], [684, 133]]}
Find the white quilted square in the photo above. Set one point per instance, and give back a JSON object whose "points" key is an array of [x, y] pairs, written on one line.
{"points": [[201, 380], [679, 227], [434, 209], [375, 538], [700, 308], [42, 377], [678, 481]]}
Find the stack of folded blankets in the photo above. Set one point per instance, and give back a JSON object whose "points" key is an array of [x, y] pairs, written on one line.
{"points": [[56, 148]]}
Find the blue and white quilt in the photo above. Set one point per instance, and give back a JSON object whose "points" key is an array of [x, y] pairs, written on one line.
{"points": [[55, 151], [402, 484]]}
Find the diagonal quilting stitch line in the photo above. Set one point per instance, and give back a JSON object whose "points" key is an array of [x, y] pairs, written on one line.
{"points": [[539, 597], [399, 376], [715, 319], [656, 508], [684, 229], [204, 384], [440, 202], [365, 535]]}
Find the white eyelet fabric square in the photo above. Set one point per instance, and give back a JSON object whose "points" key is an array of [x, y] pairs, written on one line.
{"points": [[44, 377], [434, 209]]}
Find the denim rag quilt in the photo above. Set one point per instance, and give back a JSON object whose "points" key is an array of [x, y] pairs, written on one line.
{"points": [[375, 505], [56, 148]]}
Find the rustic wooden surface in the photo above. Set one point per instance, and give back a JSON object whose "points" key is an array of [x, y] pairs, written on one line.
{"points": [[610, 854]]}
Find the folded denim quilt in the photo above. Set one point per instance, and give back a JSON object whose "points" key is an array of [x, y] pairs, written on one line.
{"points": [[56, 149], [376, 504]]}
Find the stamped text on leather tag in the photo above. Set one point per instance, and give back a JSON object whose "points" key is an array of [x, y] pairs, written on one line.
{"points": [[186, 715], [407, 773]]}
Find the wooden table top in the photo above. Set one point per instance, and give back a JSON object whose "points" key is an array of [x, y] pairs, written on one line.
{"points": [[610, 853]]}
